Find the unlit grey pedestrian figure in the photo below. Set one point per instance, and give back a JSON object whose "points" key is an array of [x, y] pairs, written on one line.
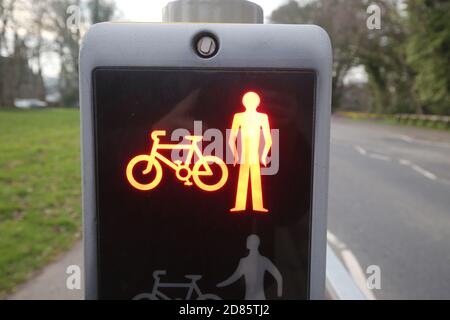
{"points": [[253, 267]]}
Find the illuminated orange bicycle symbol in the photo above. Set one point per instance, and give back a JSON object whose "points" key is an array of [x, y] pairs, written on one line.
{"points": [[200, 171]]}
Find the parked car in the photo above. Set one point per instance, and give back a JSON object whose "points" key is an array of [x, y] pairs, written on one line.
{"points": [[29, 103]]}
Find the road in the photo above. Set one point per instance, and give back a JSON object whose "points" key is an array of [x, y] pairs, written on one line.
{"points": [[390, 204]]}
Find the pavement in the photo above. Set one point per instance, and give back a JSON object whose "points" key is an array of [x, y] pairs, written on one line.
{"points": [[50, 283], [389, 206]]}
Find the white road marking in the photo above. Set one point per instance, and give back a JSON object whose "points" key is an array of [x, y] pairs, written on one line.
{"points": [[357, 273], [406, 138], [361, 150], [404, 162], [352, 264], [379, 157], [424, 172], [335, 241], [427, 174], [418, 169]]}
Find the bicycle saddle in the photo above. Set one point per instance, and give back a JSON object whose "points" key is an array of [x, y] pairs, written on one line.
{"points": [[193, 277], [194, 138]]}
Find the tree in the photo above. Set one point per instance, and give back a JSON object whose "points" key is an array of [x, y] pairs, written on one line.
{"points": [[66, 45], [68, 42], [29, 29], [343, 20], [101, 10], [19, 76], [383, 54], [6, 17], [35, 44], [428, 52]]}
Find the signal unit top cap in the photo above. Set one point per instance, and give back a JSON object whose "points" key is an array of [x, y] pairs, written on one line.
{"points": [[214, 11]]}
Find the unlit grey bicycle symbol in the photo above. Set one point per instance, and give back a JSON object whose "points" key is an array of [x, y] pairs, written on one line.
{"points": [[193, 289]]}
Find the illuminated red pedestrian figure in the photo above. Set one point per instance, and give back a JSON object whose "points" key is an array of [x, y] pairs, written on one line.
{"points": [[250, 123]]}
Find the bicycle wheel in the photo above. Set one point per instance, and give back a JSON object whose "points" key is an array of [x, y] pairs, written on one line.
{"points": [[198, 173], [145, 296], [145, 160]]}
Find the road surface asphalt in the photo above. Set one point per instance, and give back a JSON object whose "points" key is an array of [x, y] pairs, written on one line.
{"points": [[389, 203]]}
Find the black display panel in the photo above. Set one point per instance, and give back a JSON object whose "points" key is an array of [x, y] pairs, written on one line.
{"points": [[167, 231]]}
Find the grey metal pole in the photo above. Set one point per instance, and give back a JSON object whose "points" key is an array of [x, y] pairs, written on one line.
{"points": [[213, 11]]}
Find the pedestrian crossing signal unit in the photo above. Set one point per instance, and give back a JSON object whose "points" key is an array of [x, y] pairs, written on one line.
{"points": [[205, 177]]}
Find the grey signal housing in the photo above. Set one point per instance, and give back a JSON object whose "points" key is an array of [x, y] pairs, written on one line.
{"points": [[250, 46]]}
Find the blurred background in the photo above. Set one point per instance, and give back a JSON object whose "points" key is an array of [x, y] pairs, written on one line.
{"points": [[389, 204]]}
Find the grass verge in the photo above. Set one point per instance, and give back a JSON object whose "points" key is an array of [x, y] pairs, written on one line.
{"points": [[391, 120], [40, 190]]}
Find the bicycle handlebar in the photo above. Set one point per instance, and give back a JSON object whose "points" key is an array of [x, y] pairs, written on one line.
{"points": [[155, 134], [158, 273]]}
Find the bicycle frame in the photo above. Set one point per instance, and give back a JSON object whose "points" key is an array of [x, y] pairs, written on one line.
{"points": [[192, 148], [192, 286]]}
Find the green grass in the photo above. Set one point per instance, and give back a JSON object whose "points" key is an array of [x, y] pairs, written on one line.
{"points": [[40, 190], [419, 124], [390, 120]]}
